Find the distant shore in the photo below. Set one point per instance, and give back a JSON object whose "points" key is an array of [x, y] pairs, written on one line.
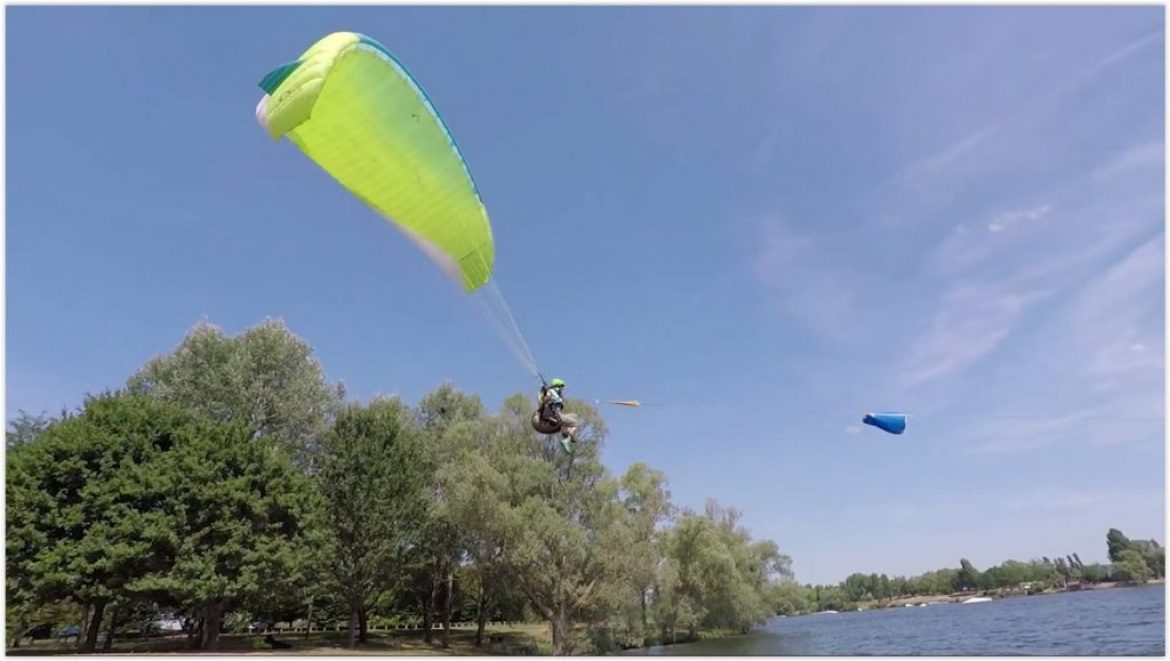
{"points": [[959, 597]]}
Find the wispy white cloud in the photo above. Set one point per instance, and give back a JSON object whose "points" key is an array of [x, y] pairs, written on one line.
{"points": [[992, 277], [966, 246], [970, 323], [1149, 156], [921, 171], [1021, 303], [1117, 319], [1015, 271], [806, 279], [1013, 435], [1006, 220], [1010, 137], [1116, 56]]}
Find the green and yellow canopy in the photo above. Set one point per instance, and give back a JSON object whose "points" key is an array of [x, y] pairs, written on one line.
{"points": [[352, 108]]}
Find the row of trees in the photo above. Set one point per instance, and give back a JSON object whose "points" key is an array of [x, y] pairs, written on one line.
{"points": [[229, 481], [1131, 561], [1135, 560]]}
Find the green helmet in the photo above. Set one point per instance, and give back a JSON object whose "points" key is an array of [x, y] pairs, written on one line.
{"points": [[556, 383]]}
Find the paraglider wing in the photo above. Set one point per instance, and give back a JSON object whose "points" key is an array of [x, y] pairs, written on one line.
{"points": [[353, 109], [894, 423]]}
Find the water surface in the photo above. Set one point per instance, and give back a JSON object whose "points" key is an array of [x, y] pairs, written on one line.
{"points": [[1121, 621]]}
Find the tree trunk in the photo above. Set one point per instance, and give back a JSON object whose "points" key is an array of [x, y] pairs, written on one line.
{"points": [[95, 624], [195, 635], [21, 627], [645, 619], [423, 611], [354, 625], [212, 623], [429, 616], [449, 597], [560, 632], [363, 625], [111, 630], [668, 625], [481, 614]]}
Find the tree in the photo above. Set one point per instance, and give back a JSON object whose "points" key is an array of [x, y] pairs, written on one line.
{"points": [[647, 501], [1153, 555], [790, 598], [446, 407], [692, 553], [968, 576], [265, 378], [1132, 566], [25, 428], [441, 544], [246, 527], [372, 483], [84, 518], [565, 530], [1097, 572], [1156, 560], [1117, 543], [715, 577], [855, 586], [136, 498], [473, 506]]}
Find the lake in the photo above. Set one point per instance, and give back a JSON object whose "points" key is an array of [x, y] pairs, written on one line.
{"points": [[1120, 621]]}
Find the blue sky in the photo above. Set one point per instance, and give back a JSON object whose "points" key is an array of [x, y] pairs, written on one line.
{"points": [[766, 220]]}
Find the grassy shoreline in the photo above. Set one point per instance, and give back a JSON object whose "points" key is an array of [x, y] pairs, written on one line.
{"points": [[509, 640], [512, 640]]}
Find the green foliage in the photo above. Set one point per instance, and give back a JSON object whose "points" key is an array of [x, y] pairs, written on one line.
{"points": [[25, 428], [790, 598], [369, 473], [1097, 572], [135, 498], [714, 577], [968, 576], [1131, 566], [450, 424], [83, 516], [189, 494], [1156, 560], [25, 617], [265, 378], [1126, 554], [230, 483], [562, 523], [1116, 542], [245, 528], [1135, 560]]}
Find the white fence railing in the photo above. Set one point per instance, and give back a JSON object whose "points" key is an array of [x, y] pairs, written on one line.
{"points": [[344, 626]]}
